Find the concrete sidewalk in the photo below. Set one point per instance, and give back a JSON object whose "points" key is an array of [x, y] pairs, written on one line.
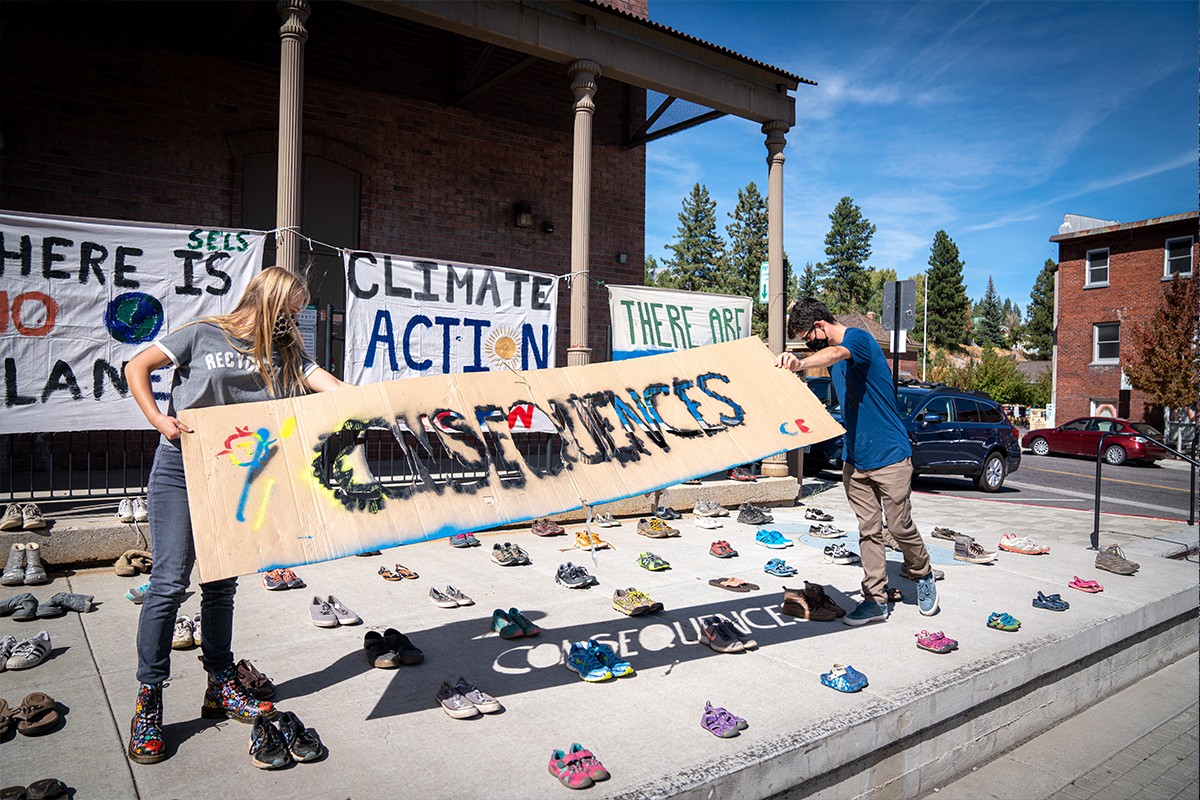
{"points": [[922, 720]]}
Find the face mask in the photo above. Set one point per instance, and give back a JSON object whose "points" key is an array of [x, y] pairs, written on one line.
{"points": [[818, 344], [282, 332]]}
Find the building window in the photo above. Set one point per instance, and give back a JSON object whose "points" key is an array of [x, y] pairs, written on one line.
{"points": [[1178, 258], [1097, 268], [1106, 343]]}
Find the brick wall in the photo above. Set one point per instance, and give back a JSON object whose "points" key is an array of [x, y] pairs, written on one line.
{"points": [[1136, 258], [142, 112]]}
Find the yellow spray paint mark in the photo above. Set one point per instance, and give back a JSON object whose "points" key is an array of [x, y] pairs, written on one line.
{"points": [[262, 507], [289, 427]]}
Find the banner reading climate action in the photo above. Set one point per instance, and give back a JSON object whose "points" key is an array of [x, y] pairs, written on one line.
{"points": [[79, 298], [408, 317], [647, 320]]}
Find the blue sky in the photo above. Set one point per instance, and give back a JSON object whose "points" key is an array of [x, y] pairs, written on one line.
{"points": [[988, 120]]}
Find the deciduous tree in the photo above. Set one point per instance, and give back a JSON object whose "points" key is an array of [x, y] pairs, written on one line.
{"points": [[1159, 355]]}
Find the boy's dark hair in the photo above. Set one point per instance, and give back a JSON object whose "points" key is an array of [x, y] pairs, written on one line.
{"points": [[803, 314]]}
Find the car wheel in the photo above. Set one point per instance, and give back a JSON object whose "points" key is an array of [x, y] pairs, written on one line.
{"points": [[1040, 447], [1115, 454], [991, 477]]}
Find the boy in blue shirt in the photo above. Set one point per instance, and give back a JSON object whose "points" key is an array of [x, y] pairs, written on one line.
{"points": [[876, 455]]}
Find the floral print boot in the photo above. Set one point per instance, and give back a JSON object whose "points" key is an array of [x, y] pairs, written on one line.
{"points": [[145, 729], [225, 697]]}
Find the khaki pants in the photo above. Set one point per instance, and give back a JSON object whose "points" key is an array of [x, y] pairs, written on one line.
{"points": [[890, 489]]}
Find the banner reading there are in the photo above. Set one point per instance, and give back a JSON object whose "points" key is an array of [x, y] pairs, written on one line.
{"points": [[647, 320]]}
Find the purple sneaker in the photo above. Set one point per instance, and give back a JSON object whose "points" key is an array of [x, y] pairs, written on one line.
{"points": [[719, 722]]}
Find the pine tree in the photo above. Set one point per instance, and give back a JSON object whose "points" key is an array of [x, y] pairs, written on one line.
{"points": [[949, 307], [808, 284], [1160, 355], [1039, 324], [658, 275], [747, 252], [699, 253], [1012, 322], [848, 246], [918, 331], [989, 322]]}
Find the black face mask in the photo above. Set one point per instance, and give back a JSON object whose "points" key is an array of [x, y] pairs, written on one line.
{"points": [[282, 332], [818, 344]]}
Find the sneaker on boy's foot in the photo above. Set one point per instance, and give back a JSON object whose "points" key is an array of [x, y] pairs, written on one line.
{"points": [[866, 611], [927, 598], [971, 551]]}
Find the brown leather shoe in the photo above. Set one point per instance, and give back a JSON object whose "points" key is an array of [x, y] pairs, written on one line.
{"points": [[818, 599], [797, 603]]}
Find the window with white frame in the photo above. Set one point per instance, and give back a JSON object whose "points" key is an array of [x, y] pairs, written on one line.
{"points": [[1178, 257], [1106, 343], [1097, 268]]}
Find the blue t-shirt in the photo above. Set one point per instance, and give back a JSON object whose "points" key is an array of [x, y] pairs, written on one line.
{"points": [[875, 436]]}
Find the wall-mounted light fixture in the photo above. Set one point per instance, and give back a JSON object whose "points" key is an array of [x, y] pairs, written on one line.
{"points": [[622, 258], [522, 215], [547, 227]]}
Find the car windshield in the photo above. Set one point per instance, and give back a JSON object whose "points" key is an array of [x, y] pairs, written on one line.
{"points": [[1149, 430], [908, 400]]}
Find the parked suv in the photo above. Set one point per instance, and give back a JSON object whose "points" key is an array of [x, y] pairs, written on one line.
{"points": [[826, 454], [959, 432]]}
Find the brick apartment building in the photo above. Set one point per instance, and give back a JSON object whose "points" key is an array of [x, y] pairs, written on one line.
{"points": [[439, 130], [1109, 274]]}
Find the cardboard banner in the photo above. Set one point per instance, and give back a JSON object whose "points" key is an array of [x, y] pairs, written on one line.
{"points": [[408, 318], [647, 320], [286, 482], [79, 298]]}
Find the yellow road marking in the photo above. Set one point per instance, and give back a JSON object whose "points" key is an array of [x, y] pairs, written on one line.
{"points": [[1108, 479]]}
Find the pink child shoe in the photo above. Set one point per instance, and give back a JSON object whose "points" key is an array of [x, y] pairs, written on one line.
{"points": [[570, 770], [591, 765], [935, 642], [1091, 587]]}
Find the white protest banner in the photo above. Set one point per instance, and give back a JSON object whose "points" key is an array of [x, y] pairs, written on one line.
{"points": [[409, 317], [647, 320], [80, 297], [300, 480]]}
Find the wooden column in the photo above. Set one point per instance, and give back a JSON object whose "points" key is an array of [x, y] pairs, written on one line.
{"points": [[583, 83], [292, 36]]}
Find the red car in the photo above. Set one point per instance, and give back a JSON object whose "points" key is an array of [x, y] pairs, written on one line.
{"points": [[1081, 437]]}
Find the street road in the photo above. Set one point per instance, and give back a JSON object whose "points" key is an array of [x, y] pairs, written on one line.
{"points": [[1070, 482]]}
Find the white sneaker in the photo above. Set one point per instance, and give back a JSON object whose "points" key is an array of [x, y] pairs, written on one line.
{"points": [[29, 652], [708, 523], [183, 638], [141, 512], [125, 510], [196, 630]]}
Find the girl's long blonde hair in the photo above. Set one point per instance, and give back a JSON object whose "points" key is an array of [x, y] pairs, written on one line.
{"points": [[272, 292]]}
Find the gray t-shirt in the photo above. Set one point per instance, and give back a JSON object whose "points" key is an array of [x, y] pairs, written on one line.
{"points": [[209, 371]]}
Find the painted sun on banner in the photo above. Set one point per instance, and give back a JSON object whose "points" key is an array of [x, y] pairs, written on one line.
{"points": [[409, 318]]}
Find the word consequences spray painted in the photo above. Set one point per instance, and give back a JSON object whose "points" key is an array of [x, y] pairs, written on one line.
{"points": [[367, 467]]}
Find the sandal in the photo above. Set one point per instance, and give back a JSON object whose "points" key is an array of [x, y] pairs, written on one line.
{"points": [[405, 572], [1091, 587], [844, 678], [1052, 602], [1002, 621], [733, 584], [388, 575], [38, 714], [718, 722], [779, 568], [46, 789], [6, 716]]}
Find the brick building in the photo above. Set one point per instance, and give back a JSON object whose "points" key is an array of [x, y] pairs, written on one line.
{"points": [[1110, 273], [508, 134]]}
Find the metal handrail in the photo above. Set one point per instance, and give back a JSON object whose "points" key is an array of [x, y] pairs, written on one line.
{"points": [[1165, 446]]}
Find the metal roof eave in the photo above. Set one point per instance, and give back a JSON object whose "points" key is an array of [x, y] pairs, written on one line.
{"points": [[627, 48], [1124, 226]]}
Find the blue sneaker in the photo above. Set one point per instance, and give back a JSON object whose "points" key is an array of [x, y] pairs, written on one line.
{"points": [[927, 599], [772, 539], [582, 660], [866, 611], [619, 667], [778, 567]]}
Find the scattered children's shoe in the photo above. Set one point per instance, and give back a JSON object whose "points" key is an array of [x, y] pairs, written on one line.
{"points": [[1091, 587], [779, 568], [274, 581], [544, 527], [844, 678], [481, 700], [28, 653], [969, 550], [458, 597], [1002, 621], [817, 515], [454, 704], [667, 513], [268, 749], [935, 642], [141, 511], [1022, 544], [441, 600], [772, 539], [840, 554], [651, 562], [1051, 602], [749, 514], [125, 511], [507, 628], [949, 534], [619, 667], [707, 523], [742, 474], [591, 765], [138, 593], [182, 638], [459, 540], [1112, 558], [722, 549], [582, 661], [303, 743], [344, 615], [826, 531], [719, 722], [570, 771]]}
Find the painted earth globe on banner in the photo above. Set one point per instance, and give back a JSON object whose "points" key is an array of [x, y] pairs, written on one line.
{"points": [[133, 317]]}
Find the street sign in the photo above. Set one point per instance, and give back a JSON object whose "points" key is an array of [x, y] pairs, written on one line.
{"points": [[904, 295], [764, 273]]}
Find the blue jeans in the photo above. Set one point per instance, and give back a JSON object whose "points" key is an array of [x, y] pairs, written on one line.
{"points": [[174, 555]]}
